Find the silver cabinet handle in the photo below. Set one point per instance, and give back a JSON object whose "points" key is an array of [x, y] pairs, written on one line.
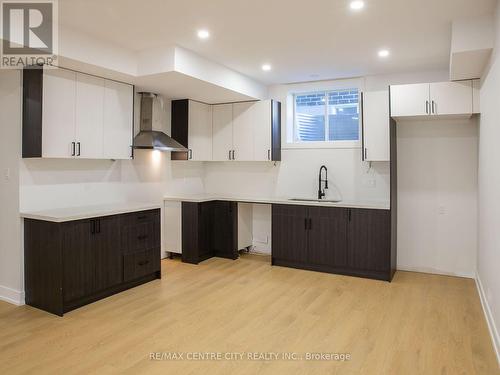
{"points": [[229, 156], [433, 107], [73, 145], [190, 154], [366, 153], [78, 153], [234, 158], [268, 154], [427, 106]]}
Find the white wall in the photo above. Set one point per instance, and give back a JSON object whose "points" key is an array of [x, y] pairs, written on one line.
{"points": [[489, 187], [11, 261], [437, 196]]}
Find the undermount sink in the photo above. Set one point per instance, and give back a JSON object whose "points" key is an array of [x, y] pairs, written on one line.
{"points": [[314, 200]]}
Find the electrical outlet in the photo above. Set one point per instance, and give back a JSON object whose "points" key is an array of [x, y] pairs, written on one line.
{"points": [[369, 182]]}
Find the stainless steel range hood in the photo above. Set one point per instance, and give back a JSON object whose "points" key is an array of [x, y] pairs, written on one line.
{"points": [[149, 139]]}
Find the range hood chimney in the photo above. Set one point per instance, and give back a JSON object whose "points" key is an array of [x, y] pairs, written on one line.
{"points": [[149, 139]]}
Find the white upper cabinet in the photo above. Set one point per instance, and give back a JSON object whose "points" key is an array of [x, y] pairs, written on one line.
{"points": [[262, 139], [58, 114], [243, 125], [118, 117], [451, 98], [432, 99], [245, 131], [89, 116], [200, 131], [69, 114], [410, 100], [222, 142], [376, 126], [242, 131]]}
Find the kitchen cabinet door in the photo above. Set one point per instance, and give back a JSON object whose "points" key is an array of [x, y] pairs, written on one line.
{"points": [[58, 113], [196, 232], [243, 123], [262, 130], [410, 100], [376, 124], [118, 120], [224, 229], [108, 253], [451, 98], [369, 239], [289, 233], [89, 116], [200, 131], [327, 236], [222, 143], [78, 260]]}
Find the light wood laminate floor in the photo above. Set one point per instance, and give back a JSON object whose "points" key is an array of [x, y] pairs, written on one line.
{"points": [[418, 324]]}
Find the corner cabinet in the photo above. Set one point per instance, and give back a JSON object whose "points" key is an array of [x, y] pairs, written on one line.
{"points": [[428, 100], [209, 229], [347, 241], [68, 114], [245, 131], [70, 264]]}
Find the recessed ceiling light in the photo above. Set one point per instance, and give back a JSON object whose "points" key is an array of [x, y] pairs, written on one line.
{"points": [[383, 53], [203, 34], [357, 5], [266, 67]]}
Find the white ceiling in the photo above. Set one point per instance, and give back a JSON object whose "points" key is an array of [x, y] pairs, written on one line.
{"points": [[303, 40]]}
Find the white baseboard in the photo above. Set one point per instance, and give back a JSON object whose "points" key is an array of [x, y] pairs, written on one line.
{"points": [[11, 296], [489, 318], [434, 271]]}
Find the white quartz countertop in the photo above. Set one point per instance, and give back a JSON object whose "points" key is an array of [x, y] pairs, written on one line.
{"points": [[381, 205], [59, 215]]}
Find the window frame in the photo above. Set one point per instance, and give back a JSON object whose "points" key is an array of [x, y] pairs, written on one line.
{"points": [[296, 143]]}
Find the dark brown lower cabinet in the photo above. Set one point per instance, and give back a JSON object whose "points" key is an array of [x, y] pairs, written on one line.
{"points": [[108, 256], [370, 240], [347, 241], [224, 229], [70, 264], [195, 232], [327, 236], [209, 229], [289, 233], [78, 256]]}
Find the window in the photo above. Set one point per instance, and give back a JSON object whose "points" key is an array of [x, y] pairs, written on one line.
{"points": [[326, 116]]}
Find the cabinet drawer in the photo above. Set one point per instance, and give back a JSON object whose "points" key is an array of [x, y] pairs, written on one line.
{"points": [[141, 217], [141, 263], [140, 237]]}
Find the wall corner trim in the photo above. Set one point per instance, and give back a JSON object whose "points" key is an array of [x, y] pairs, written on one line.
{"points": [[489, 318], [12, 296]]}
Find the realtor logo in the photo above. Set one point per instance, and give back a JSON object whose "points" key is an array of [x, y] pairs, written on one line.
{"points": [[28, 33]]}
